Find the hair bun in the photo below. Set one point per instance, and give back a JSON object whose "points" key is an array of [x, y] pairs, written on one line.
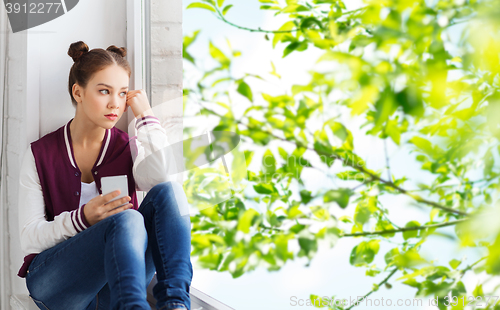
{"points": [[77, 50], [119, 50]]}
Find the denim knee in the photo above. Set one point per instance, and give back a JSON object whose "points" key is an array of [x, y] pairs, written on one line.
{"points": [[161, 186], [131, 221], [172, 190], [129, 217]]}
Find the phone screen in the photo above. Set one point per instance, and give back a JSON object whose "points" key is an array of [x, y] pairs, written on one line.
{"points": [[113, 183]]}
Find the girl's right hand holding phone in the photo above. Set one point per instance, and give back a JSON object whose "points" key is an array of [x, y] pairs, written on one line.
{"points": [[100, 207]]}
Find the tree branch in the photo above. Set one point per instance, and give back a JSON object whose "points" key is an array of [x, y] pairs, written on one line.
{"points": [[388, 231], [373, 290], [389, 174], [347, 163], [394, 186], [222, 18], [269, 228], [469, 267]]}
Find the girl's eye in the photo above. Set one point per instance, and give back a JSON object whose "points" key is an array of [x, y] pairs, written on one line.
{"points": [[125, 93]]}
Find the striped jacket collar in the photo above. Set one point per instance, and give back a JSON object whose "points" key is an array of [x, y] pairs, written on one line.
{"points": [[69, 146]]}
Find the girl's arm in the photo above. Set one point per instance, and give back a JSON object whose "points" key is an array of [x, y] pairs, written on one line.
{"points": [[38, 234], [154, 161]]}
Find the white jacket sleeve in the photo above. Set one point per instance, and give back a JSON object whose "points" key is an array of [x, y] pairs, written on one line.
{"points": [[37, 234], [154, 161]]}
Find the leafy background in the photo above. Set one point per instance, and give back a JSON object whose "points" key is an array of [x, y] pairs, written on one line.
{"points": [[396, 109]]}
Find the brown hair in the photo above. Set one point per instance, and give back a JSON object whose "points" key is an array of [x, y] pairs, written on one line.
{"points": [[87, 63]]}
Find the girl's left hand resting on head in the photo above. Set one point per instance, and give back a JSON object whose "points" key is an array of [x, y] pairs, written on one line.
{"points": [[139, 103]]}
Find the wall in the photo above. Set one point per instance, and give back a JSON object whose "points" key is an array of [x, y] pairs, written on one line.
{"points": [[3, 211], [166, 66], [14, 137]]}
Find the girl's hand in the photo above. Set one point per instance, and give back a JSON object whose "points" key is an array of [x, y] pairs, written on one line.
{"points": [[99, 207], [138, 102]]}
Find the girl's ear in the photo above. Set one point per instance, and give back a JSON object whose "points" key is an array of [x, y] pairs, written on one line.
{"points": [[76, 91]]}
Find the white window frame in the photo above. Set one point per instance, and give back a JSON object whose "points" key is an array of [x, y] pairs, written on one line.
{"points": [[137, 54]]}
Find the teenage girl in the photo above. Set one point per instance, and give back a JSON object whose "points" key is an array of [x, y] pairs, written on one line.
{"points": [[94, 253]]}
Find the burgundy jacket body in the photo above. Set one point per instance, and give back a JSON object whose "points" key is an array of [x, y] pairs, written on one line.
{"points": [[60, 177]]}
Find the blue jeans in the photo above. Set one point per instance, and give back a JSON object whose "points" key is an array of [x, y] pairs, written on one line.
{"points": [[110, 264]]}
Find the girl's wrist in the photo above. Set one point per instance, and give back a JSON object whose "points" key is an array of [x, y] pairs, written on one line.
{"points": [[143, 112]]}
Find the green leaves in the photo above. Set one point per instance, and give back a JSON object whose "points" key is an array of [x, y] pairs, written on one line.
{"points": [[248, 218], [365, 209], [384, 107], [281, 242], [295, 46], [274, 71], [493, 260], [282, 35], [265, 189], [293, 164], [391, 255], [385, 225], [340, 196], [269, 162], [364, 253], [411, 102], [489, 162], [188, 40], [411, 233], [294, 8], [206, 240], [245, 90], [210, 261], [200, 5], [310, 21], [341, 132], [403, 81], [454, 263], [426, 147], [218, 55], [226, 8], [408, 259], [308, 246]]}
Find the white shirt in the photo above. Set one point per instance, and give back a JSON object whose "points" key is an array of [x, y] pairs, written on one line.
{"points": [[89, 191]]}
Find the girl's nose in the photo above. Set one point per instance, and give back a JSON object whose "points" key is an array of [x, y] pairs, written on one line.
{"points": [[113, 103]]}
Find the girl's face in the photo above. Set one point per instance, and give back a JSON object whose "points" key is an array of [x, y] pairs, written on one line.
{"points": [[106, 93]]}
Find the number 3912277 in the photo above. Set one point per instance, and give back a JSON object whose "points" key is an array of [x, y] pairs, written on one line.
{"points": [[33, 8]]}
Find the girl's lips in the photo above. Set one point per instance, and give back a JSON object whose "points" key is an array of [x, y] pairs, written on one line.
{"points": [[110, 117]]}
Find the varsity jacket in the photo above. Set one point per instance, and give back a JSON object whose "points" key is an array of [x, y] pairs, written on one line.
{"points": [[50, 185]]}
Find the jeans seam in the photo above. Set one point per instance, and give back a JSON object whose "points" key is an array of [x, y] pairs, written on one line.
{"points": [[158, 239], [170, 304], [116, 264], [39, 301]]}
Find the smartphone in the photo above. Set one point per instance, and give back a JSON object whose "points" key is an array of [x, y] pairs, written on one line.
{"points": [[113, 183]]}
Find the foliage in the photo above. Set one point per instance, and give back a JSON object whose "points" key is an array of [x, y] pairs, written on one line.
{"points": [[421, 74]]}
